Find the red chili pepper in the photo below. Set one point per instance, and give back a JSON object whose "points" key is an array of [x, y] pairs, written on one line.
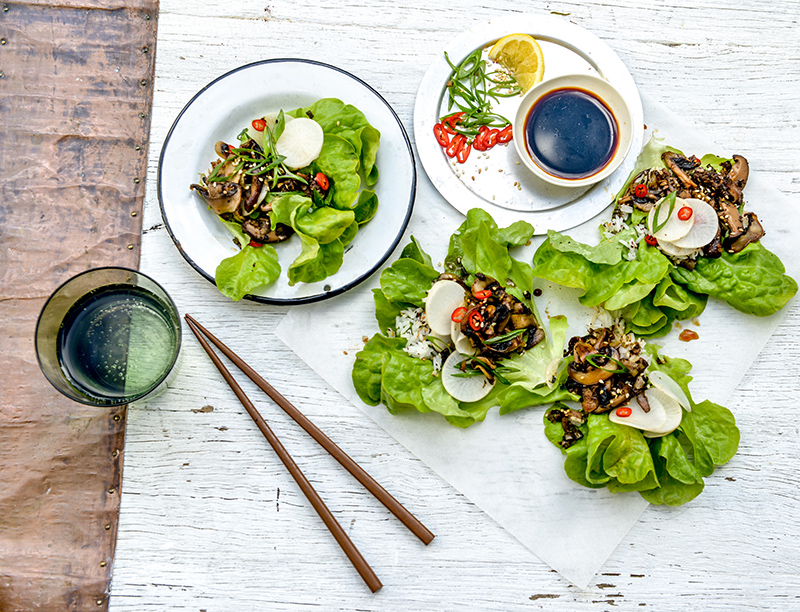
{"points": [[259, 125], [624, 411], [450, 121], [482, 295], [479, 142], [455, 145], [441, 134], [685, 213], [640, 190], [475, 320], [463, 152], [491, 138], [253, 243], [651, 240], [458, 314], [322, 180], [505, 134]]}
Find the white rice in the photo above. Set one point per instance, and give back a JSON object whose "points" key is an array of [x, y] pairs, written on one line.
{"points": [[412, 325]]}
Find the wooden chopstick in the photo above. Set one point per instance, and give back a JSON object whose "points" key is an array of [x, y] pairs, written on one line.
{"points": [[372, 485], [358, 561]]}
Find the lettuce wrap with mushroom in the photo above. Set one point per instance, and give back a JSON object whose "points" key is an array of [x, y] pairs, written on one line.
{"points": [[262, 201], [384, 371], [651, 282]]}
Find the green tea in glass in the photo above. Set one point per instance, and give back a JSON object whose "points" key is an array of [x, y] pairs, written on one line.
{"points": [[109, 336]]}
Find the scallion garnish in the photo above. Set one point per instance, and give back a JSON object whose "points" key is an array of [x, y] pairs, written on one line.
{"points": [[595, 357]]}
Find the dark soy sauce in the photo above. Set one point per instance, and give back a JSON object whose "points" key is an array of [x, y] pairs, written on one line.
{"points": [[571, 133]]}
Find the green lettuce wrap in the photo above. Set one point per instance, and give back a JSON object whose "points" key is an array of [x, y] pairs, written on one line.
{"points": [[637, 282], [664, 470], [324, 226], [385, 373]]}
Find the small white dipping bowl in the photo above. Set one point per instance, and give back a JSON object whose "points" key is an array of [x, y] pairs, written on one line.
{"points": [[599, 89]]}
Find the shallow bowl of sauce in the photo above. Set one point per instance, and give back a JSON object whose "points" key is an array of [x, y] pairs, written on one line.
{"points": [[573, 130]]}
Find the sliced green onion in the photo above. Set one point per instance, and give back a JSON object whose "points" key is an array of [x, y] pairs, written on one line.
{"points": [[504, 337], [670, 199], [595, 357]]}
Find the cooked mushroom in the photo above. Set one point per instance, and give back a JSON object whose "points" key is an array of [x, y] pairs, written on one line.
{"points": [[736, 179], [753, 233], [253, 196], [592, 377], [728, 214], [223, 197], [223, 149], [261, 230], [606, 368], [672, 160]]}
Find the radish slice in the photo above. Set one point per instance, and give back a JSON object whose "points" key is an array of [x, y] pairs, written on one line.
{"points": [[670, 249], [467, 388], [706, 224], [460, 340], [445, 338], [300, 143], [672, 411], [670, 387], [270, 119], [443, 298], [674, 228], [650, 421]]}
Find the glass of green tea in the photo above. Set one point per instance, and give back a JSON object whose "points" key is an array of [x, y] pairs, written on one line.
{"points": [[109, 336]]}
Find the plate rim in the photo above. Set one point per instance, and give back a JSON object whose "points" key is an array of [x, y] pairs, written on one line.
{"points": [[325, 294], [553, 29]]}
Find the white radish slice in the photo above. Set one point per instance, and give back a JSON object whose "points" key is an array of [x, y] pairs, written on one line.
{"points": [[443, 298], [670, 249], [270, 119], [670, 387], [674, 228], [672, 410], [460, 340], [440, 340], [300, 143], [638, 418], [463, 388], [706, 223]]}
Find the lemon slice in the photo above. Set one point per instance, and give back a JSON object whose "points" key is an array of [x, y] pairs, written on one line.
{"points": [[521, 55]]}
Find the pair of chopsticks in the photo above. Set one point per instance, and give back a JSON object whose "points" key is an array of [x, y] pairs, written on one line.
{"points": [[358, 561]]}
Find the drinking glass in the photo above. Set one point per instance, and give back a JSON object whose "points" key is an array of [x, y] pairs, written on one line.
{"points": [[109, 336]]}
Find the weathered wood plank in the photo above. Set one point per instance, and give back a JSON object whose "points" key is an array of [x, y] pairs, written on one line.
{"points": [[210, 520]]}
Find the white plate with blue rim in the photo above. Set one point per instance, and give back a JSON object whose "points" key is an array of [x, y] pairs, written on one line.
{"points": [[219, 112]]}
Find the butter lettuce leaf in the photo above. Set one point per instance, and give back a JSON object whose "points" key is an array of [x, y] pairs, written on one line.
{"points": [[252, 267], [752, 281]]}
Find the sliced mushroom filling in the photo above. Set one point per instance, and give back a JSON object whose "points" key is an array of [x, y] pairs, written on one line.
{"points": [[721, 188], [238, 189], [606, 369]]}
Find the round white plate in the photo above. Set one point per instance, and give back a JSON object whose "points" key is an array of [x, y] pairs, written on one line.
{"points": [[220, 111], [496, 180]]}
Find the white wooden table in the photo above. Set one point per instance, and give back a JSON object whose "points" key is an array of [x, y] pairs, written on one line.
{"points": [[210, 518]]}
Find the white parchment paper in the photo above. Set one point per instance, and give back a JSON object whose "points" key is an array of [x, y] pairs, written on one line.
{"points": [[505, 465]]}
